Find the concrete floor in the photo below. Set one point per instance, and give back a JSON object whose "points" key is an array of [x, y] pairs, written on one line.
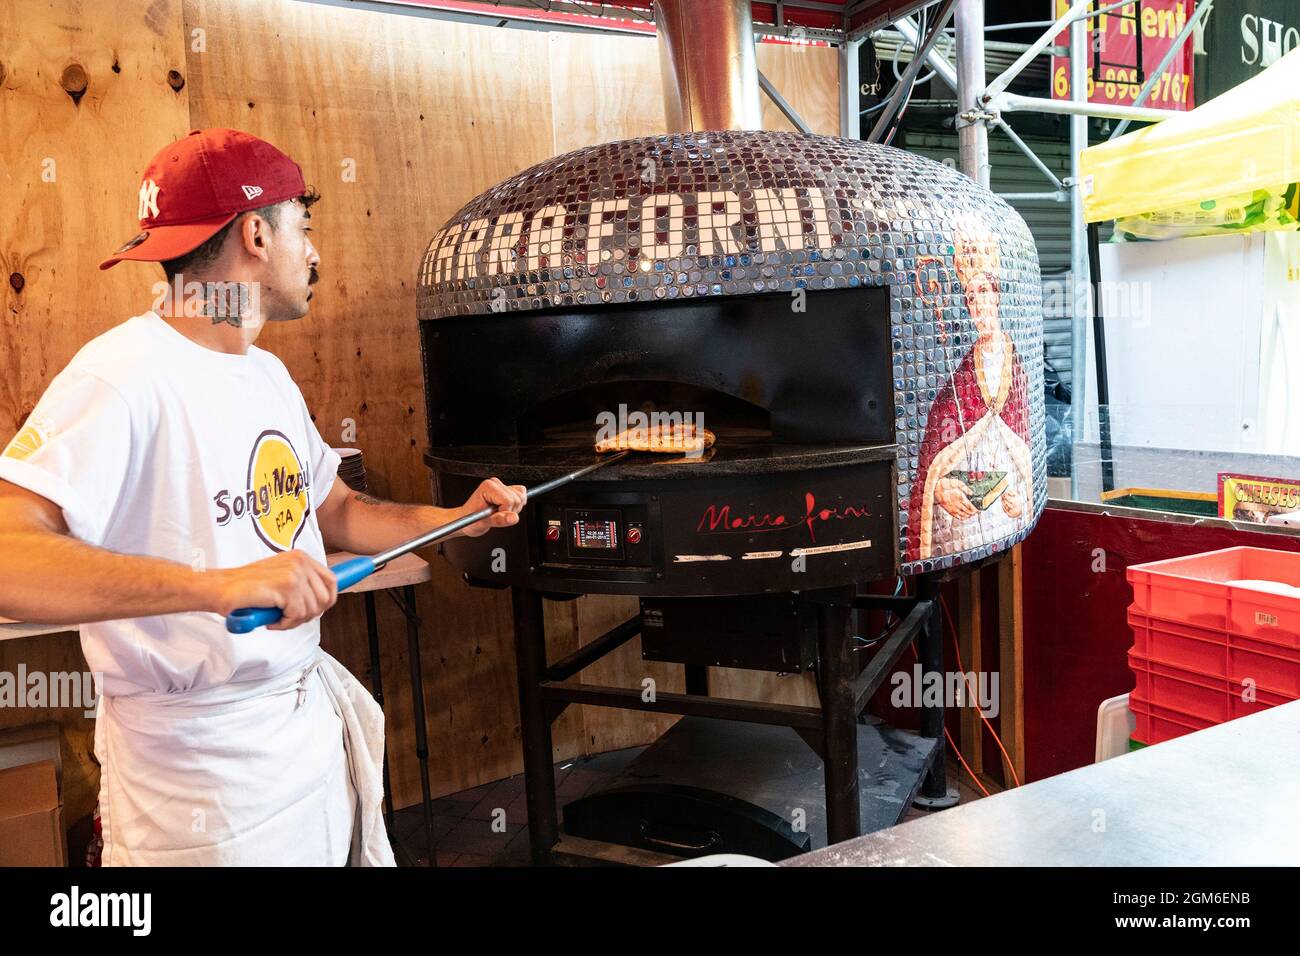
{"points": [[488, 826]]}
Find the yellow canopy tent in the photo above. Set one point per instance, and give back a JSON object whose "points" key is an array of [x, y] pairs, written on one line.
{"points": [[1231, 164]]}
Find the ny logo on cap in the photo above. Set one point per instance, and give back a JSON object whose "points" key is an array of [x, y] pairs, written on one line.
{"points": [[148, 199], [251, 192]]}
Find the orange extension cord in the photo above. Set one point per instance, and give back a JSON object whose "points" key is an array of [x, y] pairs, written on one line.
{"points": [[952, 744], [947, 617]]}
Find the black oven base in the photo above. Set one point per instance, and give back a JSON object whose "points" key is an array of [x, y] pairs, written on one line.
{"points": [[718, 786], [831, 730]]}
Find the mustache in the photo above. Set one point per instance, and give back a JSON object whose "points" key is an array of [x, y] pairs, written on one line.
{"points": [[313, 278]]}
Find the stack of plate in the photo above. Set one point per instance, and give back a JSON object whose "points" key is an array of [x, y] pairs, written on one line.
{"points": [[352, 469]]}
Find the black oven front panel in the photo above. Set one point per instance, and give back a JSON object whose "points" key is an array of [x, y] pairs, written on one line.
{"points": [[786, 531]]}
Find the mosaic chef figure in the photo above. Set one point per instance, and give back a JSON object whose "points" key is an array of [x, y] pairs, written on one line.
{"points": [[974, 480]]}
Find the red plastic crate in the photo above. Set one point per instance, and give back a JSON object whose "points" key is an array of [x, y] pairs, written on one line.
{"points": [[1155, 724], [1269, 665], [1206, 696], [1194, 591], [1220, 653], [1195, 647], [1199, 642]]}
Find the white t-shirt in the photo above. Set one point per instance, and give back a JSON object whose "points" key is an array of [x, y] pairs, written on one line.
{"points": [[152, 444]]}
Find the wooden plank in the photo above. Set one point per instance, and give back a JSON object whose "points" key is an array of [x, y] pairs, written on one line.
{"points": [[625, 70], [12, 630], [1011, 655], [797, 690], [606, 728], [69, 178], [604, 88], [809, 79], [968, 630], [71, 175]]}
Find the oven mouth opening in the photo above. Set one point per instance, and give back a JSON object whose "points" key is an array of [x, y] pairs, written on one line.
{"points": [[573, 419], [559, 434], [735, 453]]}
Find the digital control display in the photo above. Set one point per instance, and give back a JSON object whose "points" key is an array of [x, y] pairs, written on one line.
{"points": [[589, 534], [584, 537]]}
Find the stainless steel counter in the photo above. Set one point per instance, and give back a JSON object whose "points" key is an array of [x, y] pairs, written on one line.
{"points": [[1229, 795]]}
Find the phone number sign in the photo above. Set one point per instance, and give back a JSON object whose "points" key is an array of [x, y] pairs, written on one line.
{"points": [[1113, 76]]}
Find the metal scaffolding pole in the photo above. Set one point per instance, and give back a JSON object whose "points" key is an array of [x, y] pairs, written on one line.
{"points": [[936, 59], [850, 118], [1061, 195], [1013, 102], [788, 111], [944, 69], [972, 131], [1043, 168], [898, 99], [1080, 288], [1002, 82]]}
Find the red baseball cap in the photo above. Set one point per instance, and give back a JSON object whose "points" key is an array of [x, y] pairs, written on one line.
{"points": [[197, 184]]}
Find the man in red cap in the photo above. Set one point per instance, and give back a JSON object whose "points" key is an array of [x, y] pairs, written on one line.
{"points": [[170, 474]]}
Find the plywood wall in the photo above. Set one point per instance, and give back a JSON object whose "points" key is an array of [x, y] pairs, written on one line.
{"points": [[398, 121], [69, 173]]}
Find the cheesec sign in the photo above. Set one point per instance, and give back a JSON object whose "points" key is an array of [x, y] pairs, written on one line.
{"points": [[1241, 38]]}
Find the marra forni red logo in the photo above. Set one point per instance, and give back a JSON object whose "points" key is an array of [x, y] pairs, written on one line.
{"points": [[721, 519]]}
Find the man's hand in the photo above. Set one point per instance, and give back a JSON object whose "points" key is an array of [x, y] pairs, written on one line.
{"points": [[300, 586], [953, 496], [508, 499]]}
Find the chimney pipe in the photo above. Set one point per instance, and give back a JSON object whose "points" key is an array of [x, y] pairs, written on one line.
{"points": [[706, 56]]}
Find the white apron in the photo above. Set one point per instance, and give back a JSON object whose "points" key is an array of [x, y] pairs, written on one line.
{"points": [[278, 772]]}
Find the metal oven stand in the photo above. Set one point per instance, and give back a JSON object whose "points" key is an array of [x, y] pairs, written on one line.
{"points": [[545, 690]]}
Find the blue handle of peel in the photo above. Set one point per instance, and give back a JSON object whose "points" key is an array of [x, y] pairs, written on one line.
{"points": [[348, 573], [352, 570], [246, 619]]}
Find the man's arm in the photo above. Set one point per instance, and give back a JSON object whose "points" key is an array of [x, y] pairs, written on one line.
{"points": [[49, 577], [357, 522]]}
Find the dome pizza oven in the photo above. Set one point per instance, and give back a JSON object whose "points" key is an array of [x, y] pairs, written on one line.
{"points": [[859, 326], [861, 330]]}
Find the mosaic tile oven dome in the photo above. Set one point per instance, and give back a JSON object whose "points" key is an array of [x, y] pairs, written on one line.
{"points": [[718, 214]]}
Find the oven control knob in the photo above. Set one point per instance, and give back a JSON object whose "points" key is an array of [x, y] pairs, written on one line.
{"points": [[633, 535], [553, 533]]}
